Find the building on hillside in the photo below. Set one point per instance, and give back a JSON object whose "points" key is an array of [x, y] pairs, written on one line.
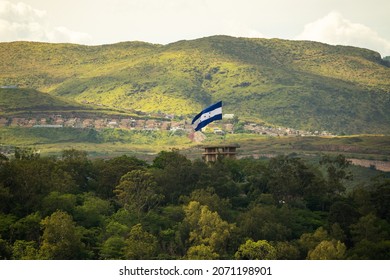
{"points": [[212, 153]]}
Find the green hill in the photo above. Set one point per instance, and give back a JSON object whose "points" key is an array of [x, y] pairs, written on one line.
{"points": [[15, 100], [299, 84]]}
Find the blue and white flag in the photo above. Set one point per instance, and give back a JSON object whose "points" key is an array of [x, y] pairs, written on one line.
{"points": [[208, 115]]}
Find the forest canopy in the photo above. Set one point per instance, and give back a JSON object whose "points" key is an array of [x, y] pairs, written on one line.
{"points": [[287, 207]]}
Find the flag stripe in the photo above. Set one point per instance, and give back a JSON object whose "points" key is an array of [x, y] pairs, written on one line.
{"points": [[206, 116]]}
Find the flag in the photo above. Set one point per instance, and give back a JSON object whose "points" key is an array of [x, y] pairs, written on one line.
{"points": [[208, 115]]}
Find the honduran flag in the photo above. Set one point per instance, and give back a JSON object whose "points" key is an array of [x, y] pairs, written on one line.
{"points": [[208, 115]]}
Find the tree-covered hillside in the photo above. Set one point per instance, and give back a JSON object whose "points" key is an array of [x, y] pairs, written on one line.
{"points": [[300, 84]]}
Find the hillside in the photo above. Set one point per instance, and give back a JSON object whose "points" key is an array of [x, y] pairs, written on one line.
{"points": [[299, 84], [26, 102], [15, 100]]}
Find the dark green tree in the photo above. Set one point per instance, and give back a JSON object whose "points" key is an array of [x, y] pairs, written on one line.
{"points": [[77, 164], [109, 173], [288, 179], [137, 191], [175, 175]]}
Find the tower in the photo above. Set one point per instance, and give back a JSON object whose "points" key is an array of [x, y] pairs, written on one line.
{"points": [[212, 153]]}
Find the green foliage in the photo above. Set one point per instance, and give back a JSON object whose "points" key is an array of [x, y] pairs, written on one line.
{"points": [[174, 174], [140, 245], [201, 252], [24, 250], [286, 250], [110, 172], [61, 239], [27, 229], [113, 248], [370, 228], [264, 223], [93, 211], [5, 250], [63, 208], [137, 191], [57, 201], [259, 250], [207, 227], [328, 250]]}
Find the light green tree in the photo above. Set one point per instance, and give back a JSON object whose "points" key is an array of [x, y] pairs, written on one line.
{"points": [[207, 227], [328, 250], [259, 250], [24, 250], [201, 252], [61, 239], [308, 241]]}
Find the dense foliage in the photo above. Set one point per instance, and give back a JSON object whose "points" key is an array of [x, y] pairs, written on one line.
{"points": [[298, 84], [174, 208]]}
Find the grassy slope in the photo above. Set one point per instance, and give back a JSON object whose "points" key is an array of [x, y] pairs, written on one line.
{"points": [[17, 100], [298, 84]]}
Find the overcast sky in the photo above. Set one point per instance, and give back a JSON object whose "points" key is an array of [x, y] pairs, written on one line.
{"points": [[362, 23]]}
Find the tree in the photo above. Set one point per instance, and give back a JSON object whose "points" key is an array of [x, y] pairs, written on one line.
{"points": [[343, 213], [137, 191], [369, 250], [288, 179], [58, 201], [207, 227], [26, 154], [5, 198], [5, 250], [209, 198], [27, 180], [259, 250], [27, 228], [308, 241], [370, 228], [113, 248], [140, 245], [93, 211], [381, 199], [286, 250], [61, 239], [328, 250], [175, 174], [201, 252], [77, 164], [262, 222], [109, 173], [24, 250], [337, 173]]}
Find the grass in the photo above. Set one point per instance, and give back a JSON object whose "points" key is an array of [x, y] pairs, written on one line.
{"points": [[358, 146], [303, 85]]}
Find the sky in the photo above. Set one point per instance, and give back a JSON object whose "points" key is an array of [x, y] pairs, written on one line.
{"points": [[361, 23]]}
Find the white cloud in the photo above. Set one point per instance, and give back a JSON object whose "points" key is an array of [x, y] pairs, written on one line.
{"points": [[22, 22], [336, 30]]}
